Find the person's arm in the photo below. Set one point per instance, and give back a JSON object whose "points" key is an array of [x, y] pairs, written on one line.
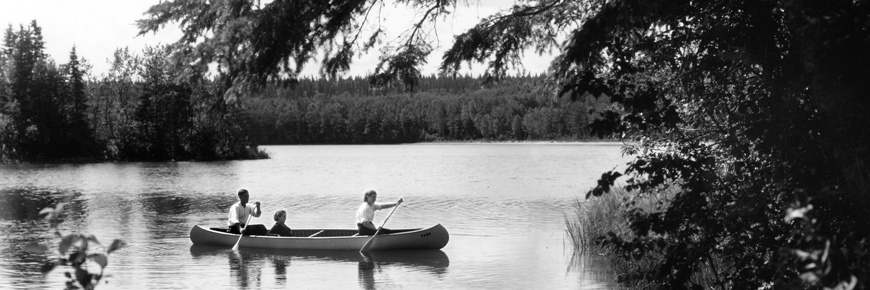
{"points": [[389, 205], [257, 210], [233, 217]]}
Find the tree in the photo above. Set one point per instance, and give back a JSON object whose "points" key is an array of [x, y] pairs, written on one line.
{"points": [[34, 96], [80, 134], [755, 111], [252, 43], [752, 110]]}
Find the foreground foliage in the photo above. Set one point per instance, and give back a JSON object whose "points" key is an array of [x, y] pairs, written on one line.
{"points": [[754, 109], [83, 255]]}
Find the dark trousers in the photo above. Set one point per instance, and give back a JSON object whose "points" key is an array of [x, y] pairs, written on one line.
{"points": [[365, 231], [252, 229]]}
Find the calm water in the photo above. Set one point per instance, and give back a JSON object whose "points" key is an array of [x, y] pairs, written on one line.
{"points": [[503, 204]]}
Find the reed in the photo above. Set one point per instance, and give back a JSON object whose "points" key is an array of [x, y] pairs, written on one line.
{"points": [[596, 217]]}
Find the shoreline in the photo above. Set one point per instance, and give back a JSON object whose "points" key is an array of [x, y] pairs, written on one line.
{"points": [[565, 142], [450, 142]]}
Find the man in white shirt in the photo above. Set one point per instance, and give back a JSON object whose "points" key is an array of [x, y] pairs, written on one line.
{"points": [[241, 210]]}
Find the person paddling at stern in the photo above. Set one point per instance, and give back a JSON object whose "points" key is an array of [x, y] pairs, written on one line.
{"points": [[239, 214], [366, 213]]}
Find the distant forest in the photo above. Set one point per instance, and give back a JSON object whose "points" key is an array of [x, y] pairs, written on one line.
{"points": [[144, 108], [350, 111], [141, 109]]}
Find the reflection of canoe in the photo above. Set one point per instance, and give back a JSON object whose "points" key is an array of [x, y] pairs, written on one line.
{"points": [[435, 237], [434, 260]]}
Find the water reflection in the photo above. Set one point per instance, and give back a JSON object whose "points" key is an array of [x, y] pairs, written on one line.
{"points": [[246, 265], [24, 204], [597, 271], [281, 263], [245, 268], [366, 272], [22, 225]]}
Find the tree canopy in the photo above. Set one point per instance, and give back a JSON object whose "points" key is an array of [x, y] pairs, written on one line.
{"points": [[757, 111]]}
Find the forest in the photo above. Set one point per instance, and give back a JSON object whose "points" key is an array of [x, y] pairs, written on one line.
{"points": [[349, 111], [143, 108], [138, 110]]}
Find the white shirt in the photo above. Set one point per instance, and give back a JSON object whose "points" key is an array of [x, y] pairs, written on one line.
{"points": [[366, 212], [240, 214]]}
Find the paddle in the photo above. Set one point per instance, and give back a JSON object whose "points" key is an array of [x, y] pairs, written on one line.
{"points": [[369, 242], [242, 233]]}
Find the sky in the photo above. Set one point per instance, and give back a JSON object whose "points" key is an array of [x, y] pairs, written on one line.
{"points": [[97, 27]]}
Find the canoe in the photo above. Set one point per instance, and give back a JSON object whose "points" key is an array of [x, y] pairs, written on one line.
{"points": [[435, 237]]}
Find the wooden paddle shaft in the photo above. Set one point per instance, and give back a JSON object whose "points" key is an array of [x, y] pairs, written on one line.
{"points": [[242, 232]]}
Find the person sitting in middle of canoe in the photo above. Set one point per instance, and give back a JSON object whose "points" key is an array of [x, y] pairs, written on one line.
{"points": [[366, 213], [280, 228], [239, 213]]}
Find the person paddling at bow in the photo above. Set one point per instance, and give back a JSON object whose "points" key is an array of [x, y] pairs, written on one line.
{"points": [[240, 212], [366, 213]]}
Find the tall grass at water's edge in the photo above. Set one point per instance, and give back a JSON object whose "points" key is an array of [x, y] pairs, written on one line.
{"points": [[594, 218], [597, 216]]}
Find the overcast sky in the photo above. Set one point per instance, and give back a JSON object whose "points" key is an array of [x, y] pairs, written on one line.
{"points": [[98, 27]]}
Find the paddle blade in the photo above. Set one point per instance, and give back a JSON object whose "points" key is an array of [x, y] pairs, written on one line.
{"points": [[366, 246]]}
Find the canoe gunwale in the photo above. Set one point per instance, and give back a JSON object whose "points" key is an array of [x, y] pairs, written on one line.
{"points": [[435, 237]]}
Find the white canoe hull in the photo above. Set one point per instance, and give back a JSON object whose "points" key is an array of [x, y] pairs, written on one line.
{"points": [[435, 237]]}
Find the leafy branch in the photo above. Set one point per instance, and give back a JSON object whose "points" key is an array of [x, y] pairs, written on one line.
{"points": [[85, 257]]}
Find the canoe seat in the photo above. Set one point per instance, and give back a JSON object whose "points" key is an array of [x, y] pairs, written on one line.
{"points": [[317, 233]]}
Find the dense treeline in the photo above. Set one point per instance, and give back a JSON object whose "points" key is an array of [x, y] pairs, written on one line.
{"points": [[144, 108], [443, 109], [42, 105], [140, 110]]}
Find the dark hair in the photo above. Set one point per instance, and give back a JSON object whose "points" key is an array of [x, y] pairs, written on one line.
{"points": [[369, 193], [279, 213], [242, 191]]}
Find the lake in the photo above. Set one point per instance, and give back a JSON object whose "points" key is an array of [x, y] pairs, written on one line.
{"points": [[503, 204]]}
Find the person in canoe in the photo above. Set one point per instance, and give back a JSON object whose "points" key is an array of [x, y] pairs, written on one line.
{"points": [[366, 213], [240, 212], [280, 228]]}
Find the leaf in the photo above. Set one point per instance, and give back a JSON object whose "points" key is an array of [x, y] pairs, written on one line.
{"points": [[77, 257], [99, 258], [83, 277], [93, 239], [803, 255], [66, 242], [48, 266], [59, 207], [46, 210], [116, 245], [35, 248], [809, 277], [797, 213]]}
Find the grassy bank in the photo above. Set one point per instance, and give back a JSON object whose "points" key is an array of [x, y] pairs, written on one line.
{"points": [[607, 215]]}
